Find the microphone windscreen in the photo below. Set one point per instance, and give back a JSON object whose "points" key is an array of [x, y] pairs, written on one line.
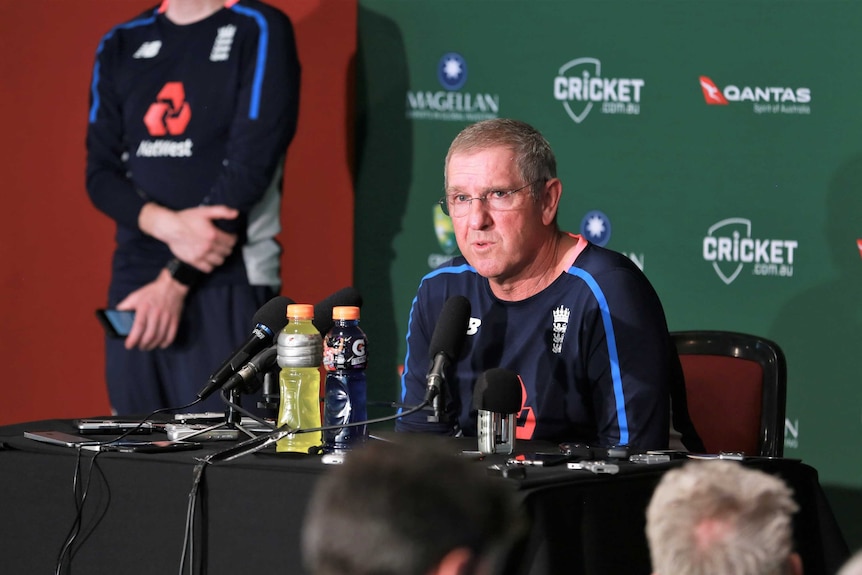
{"points": [[451, 329], [273, 314], [323, 309], [498, 390]]}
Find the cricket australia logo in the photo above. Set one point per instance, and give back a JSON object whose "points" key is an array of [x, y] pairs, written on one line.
{"points": [[729, 246], [561, 324], [579, 84]]}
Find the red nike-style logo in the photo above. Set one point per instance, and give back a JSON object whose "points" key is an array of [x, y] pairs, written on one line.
{"points": [[711, 93], [170, 113]]}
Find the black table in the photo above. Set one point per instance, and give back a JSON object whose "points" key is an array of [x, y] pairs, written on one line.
{"points": [[251, 510]]}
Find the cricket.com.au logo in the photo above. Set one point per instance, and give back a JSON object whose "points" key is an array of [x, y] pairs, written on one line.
{"points": [[728, 245], [765, 99], [451, 103], [579, 85]]}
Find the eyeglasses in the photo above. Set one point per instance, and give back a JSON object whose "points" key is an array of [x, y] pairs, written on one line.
{"points": [[458, 205]]}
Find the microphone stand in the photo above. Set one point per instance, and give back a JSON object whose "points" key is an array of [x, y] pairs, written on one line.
{"points": [[232, 417]]}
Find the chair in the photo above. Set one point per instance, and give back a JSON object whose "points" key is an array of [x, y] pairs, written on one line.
{"points": [[737, 388]]}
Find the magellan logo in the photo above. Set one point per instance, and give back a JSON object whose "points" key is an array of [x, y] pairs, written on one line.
{"points": [[450, 104], [452, 71], [729, 246], [766, 99], [596, 227], [168, 115], [791, 433], [579, 84]]}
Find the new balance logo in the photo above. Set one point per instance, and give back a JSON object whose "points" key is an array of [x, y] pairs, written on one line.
{"points": [[148, 49]]}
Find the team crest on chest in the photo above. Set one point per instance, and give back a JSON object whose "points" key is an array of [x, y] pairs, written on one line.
{"points": [[561, 324], [223, 43]]}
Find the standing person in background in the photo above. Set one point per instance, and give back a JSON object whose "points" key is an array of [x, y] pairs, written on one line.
{"points": [[581, 325], [193, 104], [719, 518]]}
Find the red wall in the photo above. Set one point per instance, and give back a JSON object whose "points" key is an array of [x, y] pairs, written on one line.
{"points": [[55, 247]]}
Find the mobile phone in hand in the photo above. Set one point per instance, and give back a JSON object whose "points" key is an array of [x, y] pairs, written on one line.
{"points": [[116, 323]]}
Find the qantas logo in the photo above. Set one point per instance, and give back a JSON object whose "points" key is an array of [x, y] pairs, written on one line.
{"points": [[170, 113], [765, 99], [859, 245], [711, 93]]}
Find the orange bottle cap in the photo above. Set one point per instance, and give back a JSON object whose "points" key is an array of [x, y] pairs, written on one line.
{"points": [[345, 312], [300, 310]]}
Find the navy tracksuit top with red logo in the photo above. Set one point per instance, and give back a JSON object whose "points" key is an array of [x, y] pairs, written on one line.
{"points": [[188, 116], [592, 351]]}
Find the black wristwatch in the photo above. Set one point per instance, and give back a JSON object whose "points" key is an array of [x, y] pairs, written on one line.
{"points": [[184, 273]]}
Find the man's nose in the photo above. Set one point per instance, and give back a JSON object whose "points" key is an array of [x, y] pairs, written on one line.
{"points": [[478, 213]]}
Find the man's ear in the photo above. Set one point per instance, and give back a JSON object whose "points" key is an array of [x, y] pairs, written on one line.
{"points": [[551, 200], [456, 562]]}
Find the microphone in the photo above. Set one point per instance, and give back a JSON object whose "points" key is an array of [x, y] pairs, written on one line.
{"points": [[446, 343], [269, 320], [323, 310], [246, 378], [497, 396]]}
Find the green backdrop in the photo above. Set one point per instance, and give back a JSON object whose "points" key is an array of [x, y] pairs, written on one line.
{"points": [[718, 144]]}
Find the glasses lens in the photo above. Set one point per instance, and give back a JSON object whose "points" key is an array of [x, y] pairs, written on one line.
{"points": [[444, 205], [501, 201]]}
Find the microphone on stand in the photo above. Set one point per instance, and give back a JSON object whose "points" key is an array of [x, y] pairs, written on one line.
{"points": [[446, 343], [268, 321], [246, 377], [497, 396]]}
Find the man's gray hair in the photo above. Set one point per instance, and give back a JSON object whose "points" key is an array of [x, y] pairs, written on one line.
{"points": [[533, 155], [720, 518]]}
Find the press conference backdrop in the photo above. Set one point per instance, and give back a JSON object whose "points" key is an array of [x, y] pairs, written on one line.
{"points": [[717, 144]]}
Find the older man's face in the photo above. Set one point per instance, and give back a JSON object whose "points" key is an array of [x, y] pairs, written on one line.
{"points": [[501, 245]]}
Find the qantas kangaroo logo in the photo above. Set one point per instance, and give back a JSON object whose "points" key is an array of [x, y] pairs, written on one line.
{"points": [[170, 113], [711, 93]]}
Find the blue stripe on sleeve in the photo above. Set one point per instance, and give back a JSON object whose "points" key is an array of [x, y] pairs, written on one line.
{"points": [[260, 66], [94, 109], [445, 270], [619, 399]]}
